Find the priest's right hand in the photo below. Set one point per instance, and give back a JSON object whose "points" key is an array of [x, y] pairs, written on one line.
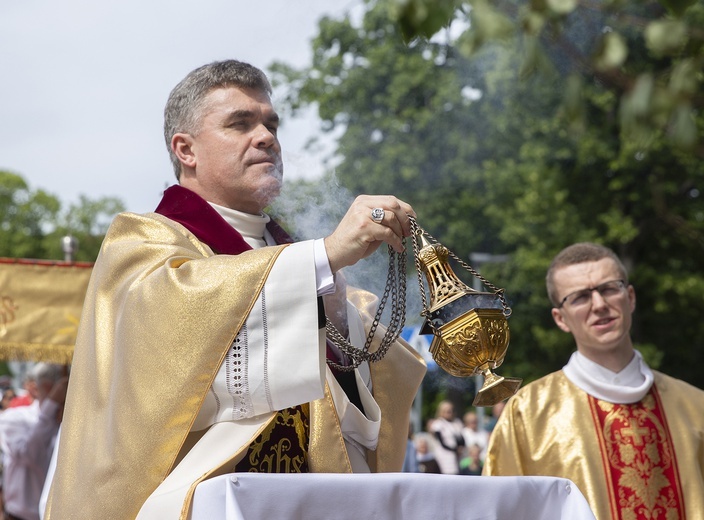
{"points": [[357, 235]]}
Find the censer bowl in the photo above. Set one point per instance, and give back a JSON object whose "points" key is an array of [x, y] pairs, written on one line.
{"points": [[469, 327]]}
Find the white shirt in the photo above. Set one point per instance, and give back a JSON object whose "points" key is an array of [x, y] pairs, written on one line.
{"points": [[450, 433], [276, 361], [478, 437], [253, 230], [27, 437], [247, 383]]}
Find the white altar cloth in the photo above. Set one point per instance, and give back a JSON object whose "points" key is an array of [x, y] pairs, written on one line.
{"points": [[406, 496]]}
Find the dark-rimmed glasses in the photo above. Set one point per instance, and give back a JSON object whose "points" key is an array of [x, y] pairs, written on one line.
{"points": [[606, 290]]}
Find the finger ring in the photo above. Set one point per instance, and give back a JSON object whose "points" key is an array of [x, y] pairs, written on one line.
{"points": [[377, 215]]}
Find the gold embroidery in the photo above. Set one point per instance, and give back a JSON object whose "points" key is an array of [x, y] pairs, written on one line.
{"points": [[7, 313], [641, 458], [70, 330], [275, 451]]}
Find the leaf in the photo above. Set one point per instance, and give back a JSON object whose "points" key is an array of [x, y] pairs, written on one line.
{"points": [[684, 128], [666, 37], [533, 23], [533, 57], [683, 79], [421, 17], [611, 52], [492, 24], [562, 6], [639, 99]]}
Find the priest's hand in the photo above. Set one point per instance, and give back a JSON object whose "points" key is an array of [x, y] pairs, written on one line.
{"points": [[370, 221]]}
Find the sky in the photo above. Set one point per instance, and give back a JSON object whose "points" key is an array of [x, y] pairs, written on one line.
{"points": [[83, 85]]}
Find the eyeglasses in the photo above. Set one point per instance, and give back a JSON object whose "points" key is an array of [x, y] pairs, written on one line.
{"points": [[606, 290]]}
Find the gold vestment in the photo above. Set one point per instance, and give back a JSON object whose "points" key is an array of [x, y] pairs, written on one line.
{"points": [[630, 461], [139, 375]]}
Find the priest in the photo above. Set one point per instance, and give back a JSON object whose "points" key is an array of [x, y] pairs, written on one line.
{"points": [[202, 346], [628, 436]]}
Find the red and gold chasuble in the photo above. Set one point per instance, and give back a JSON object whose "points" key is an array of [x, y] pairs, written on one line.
{"points": [[643, 460], [639, 459]]}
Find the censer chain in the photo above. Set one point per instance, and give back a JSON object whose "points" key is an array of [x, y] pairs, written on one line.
{"points": [[396, 288]]}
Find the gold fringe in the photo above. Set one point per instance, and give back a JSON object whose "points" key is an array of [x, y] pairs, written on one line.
{"points": [[47, 353]]}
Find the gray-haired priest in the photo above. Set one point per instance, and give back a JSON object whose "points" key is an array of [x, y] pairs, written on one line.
{"points": [[202, 347]]}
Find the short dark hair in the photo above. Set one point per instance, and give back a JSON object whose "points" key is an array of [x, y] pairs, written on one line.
{"points": [[184, 108], [577, 254]]}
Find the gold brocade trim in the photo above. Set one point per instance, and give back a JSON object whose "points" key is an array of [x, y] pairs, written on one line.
{"points": [[639, 460], [57, 354], [327, 452], [243, 318], [130, 279]]}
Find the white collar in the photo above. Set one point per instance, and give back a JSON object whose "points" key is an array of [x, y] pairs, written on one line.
{"points": [[251, 227], [627, 386]]}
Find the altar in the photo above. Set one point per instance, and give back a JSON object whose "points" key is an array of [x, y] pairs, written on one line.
{"points": [[407, 496]]}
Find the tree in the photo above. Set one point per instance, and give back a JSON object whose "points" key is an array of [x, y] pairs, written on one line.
{"points": [[32, 223], [23, 215], [648, 53], [510, 139]]}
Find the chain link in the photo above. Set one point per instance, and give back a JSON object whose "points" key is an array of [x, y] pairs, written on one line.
{"points": [[396, 288]]}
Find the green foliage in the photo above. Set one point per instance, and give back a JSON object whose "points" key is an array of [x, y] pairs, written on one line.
{"points": [[533, 129], [418, 18], [644, 52], [32, 223]]}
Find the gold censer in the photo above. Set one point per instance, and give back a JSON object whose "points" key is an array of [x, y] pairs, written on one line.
{"points": [[470, 328]]}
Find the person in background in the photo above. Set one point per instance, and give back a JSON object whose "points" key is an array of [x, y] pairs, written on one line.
{"points": [[628, 436], [202, 346], [470, 461], [30, 392], [496, 411], [27, 437], [447, 430], [425, 454], [473, 434], [7, 396], [410, 461], [5, 382]]}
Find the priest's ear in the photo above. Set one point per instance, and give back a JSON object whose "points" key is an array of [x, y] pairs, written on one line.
{"points": [[182, 146], [560, 320]]}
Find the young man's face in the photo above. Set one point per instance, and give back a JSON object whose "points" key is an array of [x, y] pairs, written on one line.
{"points": [[235, 155], [600, 323]]}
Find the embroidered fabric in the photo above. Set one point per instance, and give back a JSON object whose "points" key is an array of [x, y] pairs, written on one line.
{"points": [[236, 377], [639, 459]]}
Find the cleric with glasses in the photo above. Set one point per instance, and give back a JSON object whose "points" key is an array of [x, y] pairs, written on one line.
{"points": [[628, 436], [583, 297]]}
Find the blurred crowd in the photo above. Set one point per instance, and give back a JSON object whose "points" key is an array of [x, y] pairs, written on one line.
{"points": [[29, 424], [450, 445]]}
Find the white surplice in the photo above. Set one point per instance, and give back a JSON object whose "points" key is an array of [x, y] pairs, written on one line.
{"points": [[276, 361]]}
